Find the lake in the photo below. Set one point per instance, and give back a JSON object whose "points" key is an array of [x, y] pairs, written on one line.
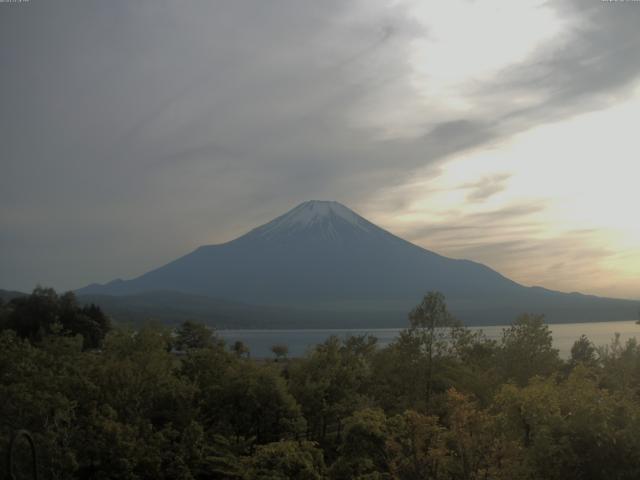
{"points": [[299, 341]]}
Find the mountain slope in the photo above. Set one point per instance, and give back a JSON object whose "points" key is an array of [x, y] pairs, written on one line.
{"points": [[323, 256]]}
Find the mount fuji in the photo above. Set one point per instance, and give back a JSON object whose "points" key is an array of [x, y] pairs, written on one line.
{"points": [[322, 260]]}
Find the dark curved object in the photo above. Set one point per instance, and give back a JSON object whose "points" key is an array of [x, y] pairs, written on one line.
{"points": [[12, 443]]}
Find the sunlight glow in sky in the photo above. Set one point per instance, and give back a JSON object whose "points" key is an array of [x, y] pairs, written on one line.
{"points": [[585, 173], [582, 172]]}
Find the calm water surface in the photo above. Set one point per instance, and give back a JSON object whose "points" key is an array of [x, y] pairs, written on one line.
{"points": [[300, 341]]}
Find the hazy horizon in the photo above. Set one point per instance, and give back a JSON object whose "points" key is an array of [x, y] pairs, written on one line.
{"points": [[500, 132]]}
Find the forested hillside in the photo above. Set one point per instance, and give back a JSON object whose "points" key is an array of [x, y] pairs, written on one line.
{"points": [[439, 403]]}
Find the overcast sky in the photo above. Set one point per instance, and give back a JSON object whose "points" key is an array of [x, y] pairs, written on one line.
{"points": [[502, 131]]}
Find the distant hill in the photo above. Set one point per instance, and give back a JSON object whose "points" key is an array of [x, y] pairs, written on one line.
{"points": [[7, 295], [173, 307], [322, 260]]}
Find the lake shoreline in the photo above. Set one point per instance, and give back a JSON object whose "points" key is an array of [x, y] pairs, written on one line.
{"points": [[299, 340]]}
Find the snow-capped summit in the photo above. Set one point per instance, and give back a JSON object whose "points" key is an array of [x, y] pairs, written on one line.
{"points": [[325, 218], [316, 210]]}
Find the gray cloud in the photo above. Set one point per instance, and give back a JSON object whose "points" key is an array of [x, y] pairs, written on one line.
{"points": [[486, 187], [594, 64], [133, 132]]}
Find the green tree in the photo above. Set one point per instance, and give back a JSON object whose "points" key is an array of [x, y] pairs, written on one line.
{"points": [[39, 392], [286, 460], [34, 316], [331, 383], [475, 366], [526, 350], [4, 314], [431, 324], [44, 313], [280, 351], [417, 447], [621, 365], [191, 335], [363, 452], [94, 326], [398, 375], [251, 402], [475, 441], [572, 429], [240, 349], [583, 351], [137, 377]]}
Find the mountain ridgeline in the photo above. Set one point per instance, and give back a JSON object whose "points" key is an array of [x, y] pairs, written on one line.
{"points": [[321, 264]]}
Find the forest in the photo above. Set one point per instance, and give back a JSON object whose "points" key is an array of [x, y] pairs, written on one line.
{"points": [[103, 401]]}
